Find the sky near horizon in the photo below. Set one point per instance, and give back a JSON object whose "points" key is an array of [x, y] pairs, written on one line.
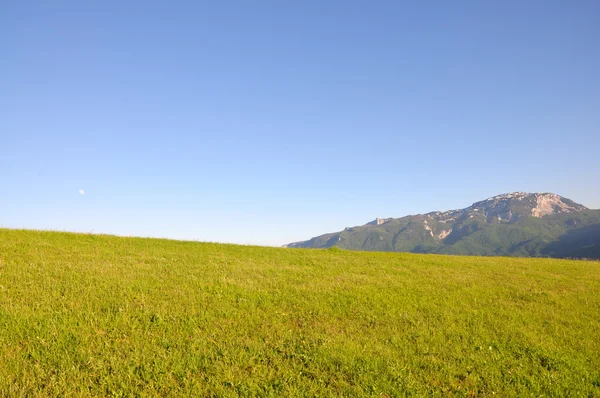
{"points": [[275, 121]]}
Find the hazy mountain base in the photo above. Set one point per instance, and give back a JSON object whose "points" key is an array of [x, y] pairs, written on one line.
{"points": [[89, 315], [555, 235]]}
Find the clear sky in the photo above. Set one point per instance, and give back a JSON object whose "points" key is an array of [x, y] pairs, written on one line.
{"points": [[267, 122]]}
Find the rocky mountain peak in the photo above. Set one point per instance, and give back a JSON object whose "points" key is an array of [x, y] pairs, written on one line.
{"points": [[501, 225], [549, 203], [379, 221], [511, 206], [530, 204]]}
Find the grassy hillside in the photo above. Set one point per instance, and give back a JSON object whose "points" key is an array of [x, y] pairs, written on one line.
{"points": [[102, 315]]}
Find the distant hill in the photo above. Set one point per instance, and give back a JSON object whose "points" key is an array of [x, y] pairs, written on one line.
{"points": [[513, 224]]}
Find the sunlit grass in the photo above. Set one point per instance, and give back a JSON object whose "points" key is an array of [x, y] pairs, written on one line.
{"points": [[102, 315]]}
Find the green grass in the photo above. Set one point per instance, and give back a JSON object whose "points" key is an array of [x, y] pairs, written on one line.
{"points": [[107, 316]]}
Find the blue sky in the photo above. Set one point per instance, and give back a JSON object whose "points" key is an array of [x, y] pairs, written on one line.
{"points": [[274, 121]]}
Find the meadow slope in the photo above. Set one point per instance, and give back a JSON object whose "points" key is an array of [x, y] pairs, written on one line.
{"points": [[108, 316]]}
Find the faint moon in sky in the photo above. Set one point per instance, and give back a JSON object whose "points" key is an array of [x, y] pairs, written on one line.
{"points": [[81, 191]]}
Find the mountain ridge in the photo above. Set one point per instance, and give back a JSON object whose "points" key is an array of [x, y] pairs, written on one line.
{"points": [[515, 223]]}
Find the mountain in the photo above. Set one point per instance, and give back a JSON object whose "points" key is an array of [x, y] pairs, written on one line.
{"points": [[512, 224]]}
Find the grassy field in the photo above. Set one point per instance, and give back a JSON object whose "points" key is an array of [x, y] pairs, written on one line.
{"points": [[100, 315]]}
